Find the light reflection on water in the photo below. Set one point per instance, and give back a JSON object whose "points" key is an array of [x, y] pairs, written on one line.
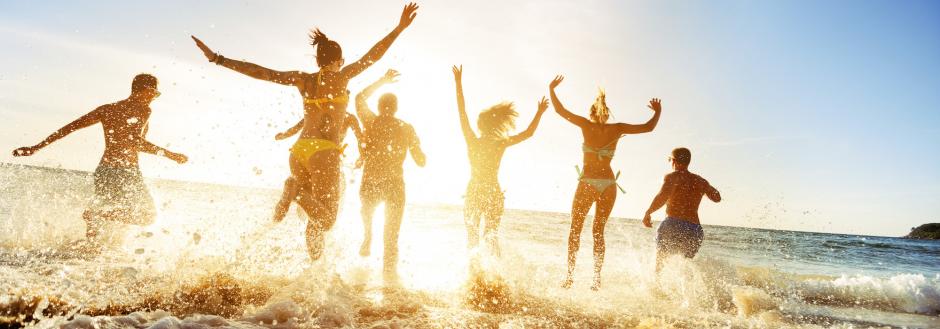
{"points": [[742, 277]]}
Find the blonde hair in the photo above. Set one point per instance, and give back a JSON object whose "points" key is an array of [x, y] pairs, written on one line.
{"points": [[498, 119], [599, 108]]}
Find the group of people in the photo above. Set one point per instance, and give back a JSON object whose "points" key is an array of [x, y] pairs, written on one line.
{"points": [[315, 181]]}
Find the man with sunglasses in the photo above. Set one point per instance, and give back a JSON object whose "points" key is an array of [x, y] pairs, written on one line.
{"points": [[120, 193], [681, 193]]}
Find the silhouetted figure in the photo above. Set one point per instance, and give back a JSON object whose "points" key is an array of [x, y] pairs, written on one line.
{"points": [[484, 198], [387, 140], [315, 157], [598, 183], [682, 191], [120, 192]]}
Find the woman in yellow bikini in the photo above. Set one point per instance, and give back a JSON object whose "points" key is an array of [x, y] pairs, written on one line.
{"points": [[315, 157], [598, 183], [484, 198]]}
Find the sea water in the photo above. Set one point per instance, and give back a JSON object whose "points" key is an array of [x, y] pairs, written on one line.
{"points": [[214, 259]]}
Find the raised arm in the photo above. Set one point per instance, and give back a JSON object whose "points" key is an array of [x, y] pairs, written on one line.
{"points": [[250, 69], [415, 149], [362, 105], [560, 109], [407, 16], [84, 121], [664, 193], [543, 105], [656, 106], [290, 131], [468, 134]]}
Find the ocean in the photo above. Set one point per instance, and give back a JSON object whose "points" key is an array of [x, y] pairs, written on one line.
{"points": [[214, 259]]}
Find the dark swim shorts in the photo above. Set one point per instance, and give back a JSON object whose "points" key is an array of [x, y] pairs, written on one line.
{"points": [[676, 236]]}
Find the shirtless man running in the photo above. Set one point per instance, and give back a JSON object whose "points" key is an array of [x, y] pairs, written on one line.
{"points": [[120, 193], [681, 193], [387, 140]]}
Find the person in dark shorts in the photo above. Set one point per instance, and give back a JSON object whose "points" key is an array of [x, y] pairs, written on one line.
{"points": [[120, 192], [386, 142], [682, 191]]}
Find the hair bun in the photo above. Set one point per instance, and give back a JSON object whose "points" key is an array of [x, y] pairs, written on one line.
{"points": [[317, 37]]}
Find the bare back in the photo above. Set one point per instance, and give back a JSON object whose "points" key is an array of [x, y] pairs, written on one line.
{"points": [[387, 141], [486, 154], [687, 192], [325, 119], [125, 127], [601, 137]]}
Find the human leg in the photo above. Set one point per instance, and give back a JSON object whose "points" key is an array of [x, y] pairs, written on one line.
{"points": [[583, 199], [605, 204], [394, 211]]}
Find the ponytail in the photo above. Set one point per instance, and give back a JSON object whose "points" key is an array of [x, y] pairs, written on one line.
{"points": [[328, 51]]}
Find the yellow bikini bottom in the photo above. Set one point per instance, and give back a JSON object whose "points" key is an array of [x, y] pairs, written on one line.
{"points": [[304, 148]]}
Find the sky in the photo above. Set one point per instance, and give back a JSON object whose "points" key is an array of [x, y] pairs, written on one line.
{"points": [[806, 115]]}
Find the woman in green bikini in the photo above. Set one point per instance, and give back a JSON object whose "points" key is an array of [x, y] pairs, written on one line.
{"points": [[315, 157], [598, 183]]}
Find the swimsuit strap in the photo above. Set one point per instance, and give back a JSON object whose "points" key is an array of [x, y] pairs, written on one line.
{"points": [[616, 177], [602, 151], [319, 101]]}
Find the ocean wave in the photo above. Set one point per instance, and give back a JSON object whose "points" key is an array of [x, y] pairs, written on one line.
{"points": [[705, 292], [908, 293]]}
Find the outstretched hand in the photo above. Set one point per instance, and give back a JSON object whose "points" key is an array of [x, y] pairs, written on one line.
{"points": [[179, 158], [458, 73], [543, 105], [655, 105], [281, 136], [558, 79], [25, 151], [647, 221], [391, 76], [210, 55], [408, 15]]}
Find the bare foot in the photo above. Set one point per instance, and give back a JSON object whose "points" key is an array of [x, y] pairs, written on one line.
{"points": [[315, 245], [280, 211], [390, 278], [597, 283], [567, 283], [366, 249]]}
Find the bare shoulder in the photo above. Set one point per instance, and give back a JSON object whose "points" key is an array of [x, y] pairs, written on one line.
{"points": [[406, 126], [110, 110], [108, 107], [700, 181], [684, 178], [672, 177]]}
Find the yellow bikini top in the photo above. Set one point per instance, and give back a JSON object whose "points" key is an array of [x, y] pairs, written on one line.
{"points": [[324, 100], [320, 101]]}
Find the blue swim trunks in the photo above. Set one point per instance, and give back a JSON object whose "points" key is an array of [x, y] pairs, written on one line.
{"points": [[677, 236]]}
